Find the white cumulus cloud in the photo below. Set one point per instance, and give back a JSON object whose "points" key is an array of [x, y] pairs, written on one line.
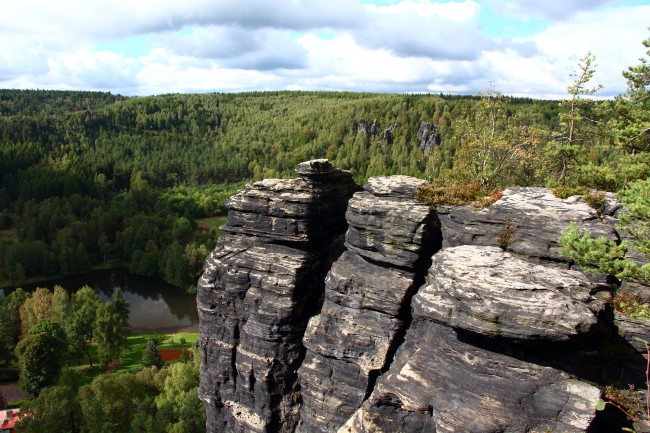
{"points": [[145, 46]]}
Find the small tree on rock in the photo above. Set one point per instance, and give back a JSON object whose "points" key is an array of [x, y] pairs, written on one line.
{"points": [[632, 123]]}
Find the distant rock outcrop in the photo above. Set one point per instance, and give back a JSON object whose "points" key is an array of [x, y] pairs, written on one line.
{"points": [[417, 320], [428, 135], [362, 126], [388, 134], [373, 129]]}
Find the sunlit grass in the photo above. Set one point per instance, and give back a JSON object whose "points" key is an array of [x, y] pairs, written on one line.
{"points": [[212, 223], [132, 355]]}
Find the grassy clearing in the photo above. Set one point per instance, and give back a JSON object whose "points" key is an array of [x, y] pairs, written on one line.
{"points": [[137, 343], [133, 353], [208, 224]]}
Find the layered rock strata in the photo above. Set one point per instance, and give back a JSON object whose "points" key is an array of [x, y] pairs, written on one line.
{"points": [[261, 284], [464, 367], [535, 217], [367, 300], [304, 329]]}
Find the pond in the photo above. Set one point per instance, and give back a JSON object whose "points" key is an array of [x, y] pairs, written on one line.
{"points": [[155, 305]]}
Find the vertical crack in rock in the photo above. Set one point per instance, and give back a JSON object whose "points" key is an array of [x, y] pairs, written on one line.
{"points": [[432, 243], [261, 284], [368, 292], [468, 362]]}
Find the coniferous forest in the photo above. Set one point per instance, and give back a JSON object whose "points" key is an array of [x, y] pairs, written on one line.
{"points": [[89, 179]]}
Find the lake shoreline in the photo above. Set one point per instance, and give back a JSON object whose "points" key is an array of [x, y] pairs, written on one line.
{"points": [[155, 304]]}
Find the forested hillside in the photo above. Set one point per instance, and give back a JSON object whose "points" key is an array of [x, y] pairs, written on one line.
{"points": [[92, 179]]}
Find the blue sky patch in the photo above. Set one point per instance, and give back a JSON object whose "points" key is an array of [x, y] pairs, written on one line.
{"points": [[130, 46], [496, 26]]}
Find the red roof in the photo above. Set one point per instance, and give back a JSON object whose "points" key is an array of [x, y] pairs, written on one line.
{"points": [[8, 418]]}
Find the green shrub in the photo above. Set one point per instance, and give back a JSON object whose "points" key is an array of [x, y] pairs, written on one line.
{"points": [[596, 255], [568, 191], [631, 305], [595, 200]]}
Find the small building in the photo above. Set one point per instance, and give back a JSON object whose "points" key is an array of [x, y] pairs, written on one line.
{"points": [[8, 419]]}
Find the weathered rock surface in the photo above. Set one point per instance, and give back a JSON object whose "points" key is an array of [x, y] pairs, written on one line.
{"points": [[367, 299], [387, 225], [260, 286], [636, 331], [537, 216], [490, 292], [456, 372], [428, 135], [438, 383], [296, 210], [311, 328]]}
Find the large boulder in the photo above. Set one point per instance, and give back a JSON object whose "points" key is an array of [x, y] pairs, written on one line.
{"points": [[535, 217], [469, 360], [488, 291], [440, 383]]}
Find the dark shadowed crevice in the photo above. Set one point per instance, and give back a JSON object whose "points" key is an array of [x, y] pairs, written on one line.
{"points": [[233, 355], [308, 295], [431, 244]]}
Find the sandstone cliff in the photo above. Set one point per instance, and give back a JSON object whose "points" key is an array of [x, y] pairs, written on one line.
{"points": [[329, 309]]}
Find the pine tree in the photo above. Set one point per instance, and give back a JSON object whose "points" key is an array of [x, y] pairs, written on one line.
{"points": [[632, 123], [563, 152], [151, 355]]}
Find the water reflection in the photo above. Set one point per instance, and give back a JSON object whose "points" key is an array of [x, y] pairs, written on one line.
{"points": [[154, 303]]}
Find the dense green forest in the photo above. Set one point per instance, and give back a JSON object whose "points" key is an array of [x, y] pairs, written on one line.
{"points": [[91, 179]]}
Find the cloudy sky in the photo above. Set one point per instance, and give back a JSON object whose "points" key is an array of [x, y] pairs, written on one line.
{"points": [[144, 47]]}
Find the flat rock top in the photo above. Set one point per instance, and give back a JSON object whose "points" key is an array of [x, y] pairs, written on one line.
{"points": [[317, 167], [541, 202], [488, 291], [393, 186]]}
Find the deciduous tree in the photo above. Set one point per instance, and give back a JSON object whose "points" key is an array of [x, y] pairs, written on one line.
{"points": [[40, 358], [55, 410], [80, 325], [493, 144]]}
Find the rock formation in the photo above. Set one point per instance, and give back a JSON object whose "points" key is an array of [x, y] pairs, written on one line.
{"points": [[417, 320], [456, 371], [367, 300], [362, 126], [536, 218], [388, 134], [428, 135], [373, 129], [261, 284]]}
